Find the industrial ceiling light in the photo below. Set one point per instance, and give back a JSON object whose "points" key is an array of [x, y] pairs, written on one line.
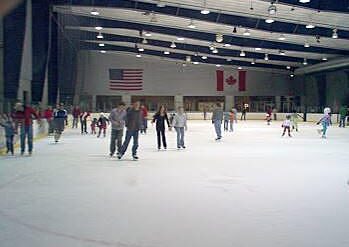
{"points": [[195, 62], [335, 34], [239, 67], [272, 8], [266, 57], [99, 35], [282, 52], [215, 51], [218, 65], [148, 34], [140, 49], [227, 45], [282, 37], [191, 24], [166, 52], [144, 41], [258, 49], [247, 32], [94, 12], [180, 38], [138, 55], [99, 28], [101, 44], [305, 62], [204, 57], [306, 45], [324, 59], [188, 59], [219, 37], [309, 26], [103, 51], [291, 75], [229, 59], [173, 45], [304, 1], [288, 67], [242, 54], [269, 20], [253, 62], [160, 4], [212, 47], [205, 10]]}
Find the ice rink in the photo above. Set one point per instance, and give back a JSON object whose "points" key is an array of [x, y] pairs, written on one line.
{"points": [[252, 189]]}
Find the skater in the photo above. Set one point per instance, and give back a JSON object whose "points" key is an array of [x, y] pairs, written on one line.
{"points": [[48, 115], [83, 121], [268, 116], [10, 131], [144, 119], [342, 114], [103, 122], [205, 112], [59, 118], [160, 118], [244, 112], [226, 117], [275, 113], [133, 124], [23, 117], [117, 119], [93, 126], [287, 125], [294, 120], [180, 124], [76, 113], [217, 118], [235, 111], [231, 120], [325, 122]]}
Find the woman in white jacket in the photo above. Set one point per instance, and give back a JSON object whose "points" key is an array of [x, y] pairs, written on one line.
{"points": [[180, 124]]}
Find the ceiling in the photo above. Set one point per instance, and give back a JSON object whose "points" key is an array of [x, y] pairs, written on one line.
{"points": [[154, 25]]}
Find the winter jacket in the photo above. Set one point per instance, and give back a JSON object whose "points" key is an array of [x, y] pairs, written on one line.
{"points": [[133, 119], [117, 119], [160, 121], [217, 114]]}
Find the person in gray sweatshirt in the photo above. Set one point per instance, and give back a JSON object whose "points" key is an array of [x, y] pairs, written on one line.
{"points": [[180, 125], [117, 119], [217, 118]]}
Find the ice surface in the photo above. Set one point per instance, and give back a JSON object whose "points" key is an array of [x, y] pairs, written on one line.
{"points": [[252, 189]]}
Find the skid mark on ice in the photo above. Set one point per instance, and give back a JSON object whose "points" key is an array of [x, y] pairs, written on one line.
{"points": [[66, 235]]}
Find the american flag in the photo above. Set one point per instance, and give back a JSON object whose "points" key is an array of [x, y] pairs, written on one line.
{"points": [[126, 79]]}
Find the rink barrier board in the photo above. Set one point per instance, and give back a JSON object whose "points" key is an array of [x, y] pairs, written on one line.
{"points": [[41, 131]]}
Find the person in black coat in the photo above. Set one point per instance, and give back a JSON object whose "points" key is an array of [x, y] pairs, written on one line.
{"points": [[160, 118]]}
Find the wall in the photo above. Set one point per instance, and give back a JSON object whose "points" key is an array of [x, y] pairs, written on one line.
{"points": [[168, 78]]}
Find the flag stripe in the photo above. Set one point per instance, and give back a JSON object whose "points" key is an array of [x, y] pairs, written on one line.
{"points": [[125, 85], [242, 81], [220, 80]]}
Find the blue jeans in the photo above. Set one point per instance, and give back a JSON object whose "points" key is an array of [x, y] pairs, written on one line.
{"points": [[26, 132], [9, 143], [324, 128], [180, 136], [231, 125], [218, 127], [129, 134]]}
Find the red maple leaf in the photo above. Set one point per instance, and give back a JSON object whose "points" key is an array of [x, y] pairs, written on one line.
{"points": [[230, 80]]}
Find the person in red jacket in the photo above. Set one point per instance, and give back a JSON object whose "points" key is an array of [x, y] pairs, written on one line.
{"points": [[48, 115], [76, 114], [144, 126], [23, 116]]}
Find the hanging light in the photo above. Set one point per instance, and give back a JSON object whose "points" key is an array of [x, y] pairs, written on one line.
{"points": [[195, 62], [229, 59], [247, 32], [272, 9], [173, 45], [144, 41], [148, 34], [242, 53], [94, 12], [218, 65], [212, 47], [205, 10], [291, 75], [239, 67], [188, 59], [227, 45], [269, 20], [335, 34], [98, 28], [99, 35], [160, 4], [309, 26], [305, 62], [304, 1], [166, 52], [101, 44], [140, 49], [215, 51], [138, 55], [282, 37], [204, 57], [324, 59], [103, 51], [288, 67], [191, 24], [266, 57], [306, 45], [253, 62], [282, 52], [258, 49], [180, 38], [219, 37]]}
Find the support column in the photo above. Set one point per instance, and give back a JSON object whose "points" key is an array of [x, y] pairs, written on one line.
{"points": [[126, 98], [278, 103], [94, 103], [229, 102], [178, 101]]}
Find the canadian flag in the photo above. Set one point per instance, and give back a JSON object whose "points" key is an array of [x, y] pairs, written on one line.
{"points": [[229, 80]]}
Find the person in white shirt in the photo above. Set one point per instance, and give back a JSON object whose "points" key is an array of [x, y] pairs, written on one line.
{"points": [[287, 125], [180, 124]]}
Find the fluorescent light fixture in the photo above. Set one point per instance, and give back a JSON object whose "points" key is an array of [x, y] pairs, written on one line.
{"points": [[147, 34], [166, 52], [205, 11], [204, 57], [258, 49], [94, 12], [103, 51], [288, 67], [309, 26], [100, 35], [138, 55], [195, 62], [180, 38], [324, 59], [101, 44], [269, 20], [304, 1], [140, 49], [98, 28]]}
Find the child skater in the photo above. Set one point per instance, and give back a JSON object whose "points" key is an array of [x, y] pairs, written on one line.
{"points": [[294, 120], [226, 118], [160, 118], [287, 125], [325, 122], [10, 132], [179, 122], [102, 125], [232, 118], [93, 125]]}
